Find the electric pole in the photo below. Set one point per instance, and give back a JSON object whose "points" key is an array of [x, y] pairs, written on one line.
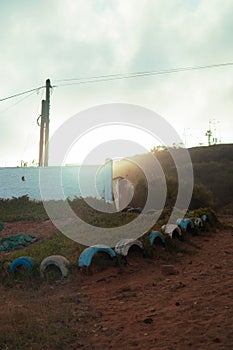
{"points": [[47, 110], [209, 134], [42, 130], [44, 127]]}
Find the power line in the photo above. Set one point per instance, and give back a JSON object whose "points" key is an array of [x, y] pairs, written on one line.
{"points": [[16, 103], [93, 77], [22, 93], [120, 76]]}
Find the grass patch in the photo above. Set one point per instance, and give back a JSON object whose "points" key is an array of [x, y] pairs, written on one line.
{"points": [[211, 215], [22, 209], [58, 244], [25, 209]]}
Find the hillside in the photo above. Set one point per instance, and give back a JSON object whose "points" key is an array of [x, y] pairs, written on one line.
{"points": [[212, 167]]}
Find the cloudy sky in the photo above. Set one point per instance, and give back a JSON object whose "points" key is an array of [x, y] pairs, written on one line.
{"points": [[67, 39]]}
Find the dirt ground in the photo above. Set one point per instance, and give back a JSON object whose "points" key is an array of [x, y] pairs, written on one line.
{"points": [[176, 301]]}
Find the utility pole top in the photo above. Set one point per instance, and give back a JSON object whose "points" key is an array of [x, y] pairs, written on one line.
{"points": [[48, 83]]}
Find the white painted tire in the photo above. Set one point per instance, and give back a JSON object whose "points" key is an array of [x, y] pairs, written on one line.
{"points": [[172, 230], [123, 246], [57, 260], [198, 222]]}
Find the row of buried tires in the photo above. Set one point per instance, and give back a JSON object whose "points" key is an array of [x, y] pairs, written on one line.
{"points": [[121, 250]]}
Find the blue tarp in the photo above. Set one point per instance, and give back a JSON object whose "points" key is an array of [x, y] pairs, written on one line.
{"points": [[15, 242]]}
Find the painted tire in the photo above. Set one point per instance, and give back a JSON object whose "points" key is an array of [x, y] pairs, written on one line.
{"points": [[87, 254], [173, 231], [198, 222], [156, 236], [57, 260], [204, 218], [123, 246], [186, 224], [26, 261]]}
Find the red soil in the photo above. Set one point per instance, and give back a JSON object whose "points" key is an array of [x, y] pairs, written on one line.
{"points": [[146, 305], [186, 306]]}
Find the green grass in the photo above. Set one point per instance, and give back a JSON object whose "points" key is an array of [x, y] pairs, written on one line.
{"points": [[58, 244], [22, 209]]}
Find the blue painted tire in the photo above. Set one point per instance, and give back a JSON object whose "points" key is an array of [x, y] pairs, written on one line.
{"points": [[88, 253], [204, 218], [156, 236], [186, 224], [26, 261]]}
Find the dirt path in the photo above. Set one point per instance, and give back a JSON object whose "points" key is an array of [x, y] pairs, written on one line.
{"points": [[149, 306], [146, 305], [42, 229]]}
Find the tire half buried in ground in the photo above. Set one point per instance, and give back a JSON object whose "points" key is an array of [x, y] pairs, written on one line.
{"points": [[57, 264]]}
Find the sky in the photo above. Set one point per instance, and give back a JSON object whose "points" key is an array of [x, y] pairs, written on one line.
{"points": [[67, 39]]}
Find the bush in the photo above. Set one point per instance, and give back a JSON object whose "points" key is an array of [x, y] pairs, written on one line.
{"points": [[201, 197]]}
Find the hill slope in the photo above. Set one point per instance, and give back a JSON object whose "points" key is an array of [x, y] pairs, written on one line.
{"points": [[212, 167]]}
